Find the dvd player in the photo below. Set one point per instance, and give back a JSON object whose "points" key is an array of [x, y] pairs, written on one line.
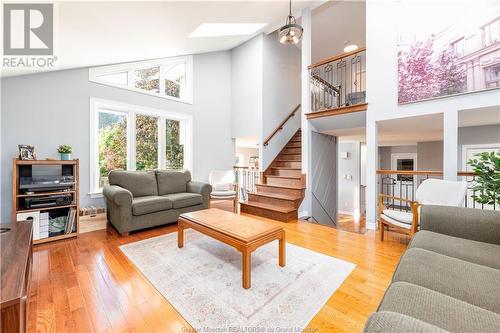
{"points": [[46, 183], [48, 201]]}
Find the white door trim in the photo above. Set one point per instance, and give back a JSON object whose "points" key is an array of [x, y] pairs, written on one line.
{"points": [[395, 156], [476, 146]]}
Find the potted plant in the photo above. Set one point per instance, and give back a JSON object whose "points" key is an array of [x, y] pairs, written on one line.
{"points": [[486, 190], [65, 152]]}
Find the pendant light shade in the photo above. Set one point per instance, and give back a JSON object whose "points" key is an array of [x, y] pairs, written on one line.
{"points": [[291, 32]]}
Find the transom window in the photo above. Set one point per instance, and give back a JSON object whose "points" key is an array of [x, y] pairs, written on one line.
{"points": [[131, 137], [169, 78]]}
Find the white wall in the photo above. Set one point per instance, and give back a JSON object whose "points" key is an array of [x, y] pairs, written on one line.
{"points": [[247, 153], [53, 108], [281, 94], [348, 189], [382, 89], [246, 88]]}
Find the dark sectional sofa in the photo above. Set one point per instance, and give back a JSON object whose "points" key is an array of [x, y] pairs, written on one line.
{"points": [[141, 199], [448, 280]]}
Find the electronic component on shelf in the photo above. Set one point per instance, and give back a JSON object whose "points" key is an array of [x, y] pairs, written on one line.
{"points": [[48, 201], [46, 183]]}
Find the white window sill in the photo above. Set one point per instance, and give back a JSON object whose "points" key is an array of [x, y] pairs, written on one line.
{"points": [[96, 195]]}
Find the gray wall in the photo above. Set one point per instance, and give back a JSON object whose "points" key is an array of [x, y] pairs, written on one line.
{"points": [[53, 108], [324, 187], [246, 88], [475, 135], [430, 155]]}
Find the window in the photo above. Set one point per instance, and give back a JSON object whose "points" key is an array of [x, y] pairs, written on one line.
{"points": [[168, 78], [131, 137], [491, 32], [459, 47]]}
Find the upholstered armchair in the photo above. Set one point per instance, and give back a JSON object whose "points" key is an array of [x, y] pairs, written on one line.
{"points": [[430, 192], [224, 187]]}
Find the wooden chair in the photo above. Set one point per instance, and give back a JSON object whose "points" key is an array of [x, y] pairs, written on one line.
{"points": [[224, 187], [430, 192]]}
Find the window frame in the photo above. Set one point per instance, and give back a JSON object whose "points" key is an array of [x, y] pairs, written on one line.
{"points": [[130, 67], [98, 105]]}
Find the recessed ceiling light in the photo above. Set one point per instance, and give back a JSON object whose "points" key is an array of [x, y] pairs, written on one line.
{"points": [[350, 48], [226, 29]]}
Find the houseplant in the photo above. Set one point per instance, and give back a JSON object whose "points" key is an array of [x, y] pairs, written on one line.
{"points": [[65, 152], [486, 190]]}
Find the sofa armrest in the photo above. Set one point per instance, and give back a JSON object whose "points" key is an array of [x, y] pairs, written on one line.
{"points": [[118, 195], [469, 223], [201, 188]]}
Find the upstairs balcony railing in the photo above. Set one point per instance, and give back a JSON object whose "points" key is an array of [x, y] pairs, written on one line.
{"points": [[403, 184], [339, 81]]}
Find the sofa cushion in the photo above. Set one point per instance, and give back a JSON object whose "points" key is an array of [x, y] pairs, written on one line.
{"points": [[172, 181], [477, 252], [139, 183], [150, 204], [438, 309], [392, 322], [475, 284], [181, 200]]}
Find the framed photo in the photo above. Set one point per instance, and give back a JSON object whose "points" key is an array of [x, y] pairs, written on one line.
{"points": [[27, 152], [447, 48]]}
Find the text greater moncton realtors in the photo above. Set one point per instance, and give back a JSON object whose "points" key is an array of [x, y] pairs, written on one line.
{"points": [[28, 62]]}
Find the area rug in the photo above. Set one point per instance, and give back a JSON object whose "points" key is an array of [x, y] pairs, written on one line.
{"points": [[203, 282]]}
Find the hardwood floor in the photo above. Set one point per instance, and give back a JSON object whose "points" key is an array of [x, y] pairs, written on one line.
{"points": [[348, 223], [87, 285]]}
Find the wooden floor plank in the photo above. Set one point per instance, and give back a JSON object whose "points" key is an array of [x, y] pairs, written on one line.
{"points": [[87, 284]]}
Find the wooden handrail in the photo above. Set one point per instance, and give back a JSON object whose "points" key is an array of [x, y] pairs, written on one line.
{"points": [[422, 172], [337, 57], [280, 126]]}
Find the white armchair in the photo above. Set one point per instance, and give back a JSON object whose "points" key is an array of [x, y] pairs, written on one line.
{"points": [[224, 187], [430, 192]]}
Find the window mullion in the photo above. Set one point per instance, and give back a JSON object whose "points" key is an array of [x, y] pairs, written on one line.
{"points": [[162, 149], [131, 151]]}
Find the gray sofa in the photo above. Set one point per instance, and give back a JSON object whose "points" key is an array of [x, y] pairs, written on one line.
{"points": [[141, 199], [448, 280]]}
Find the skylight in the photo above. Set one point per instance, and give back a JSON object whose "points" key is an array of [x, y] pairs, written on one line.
{"points": [[226, 29]]}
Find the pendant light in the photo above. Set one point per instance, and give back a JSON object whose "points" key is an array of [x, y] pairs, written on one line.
{"points": [[291, 32]]}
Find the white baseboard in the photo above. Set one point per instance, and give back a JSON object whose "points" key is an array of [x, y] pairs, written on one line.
{"points": [[371, 226], [345, 212]]}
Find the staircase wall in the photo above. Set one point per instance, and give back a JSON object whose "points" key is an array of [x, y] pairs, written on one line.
{"points": [[281, 94], [324, 176]]}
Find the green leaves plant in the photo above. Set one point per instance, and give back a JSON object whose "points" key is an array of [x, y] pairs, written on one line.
{"points": [[487, 182]]}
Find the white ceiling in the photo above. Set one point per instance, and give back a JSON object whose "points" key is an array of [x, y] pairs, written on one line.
{"points": [[335, 22], [98, 33], [396, 132], [479, 116]]}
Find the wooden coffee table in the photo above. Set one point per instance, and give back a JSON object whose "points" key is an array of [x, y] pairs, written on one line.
{"points": [[241, 232]]}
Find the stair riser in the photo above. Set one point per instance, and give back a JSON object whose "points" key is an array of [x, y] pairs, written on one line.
{"points": [[279, 190], [274, 201], [287, 173], [271, 214], [297, 157], [284, 181], [294, 145], [297, 164], [292, 151]]}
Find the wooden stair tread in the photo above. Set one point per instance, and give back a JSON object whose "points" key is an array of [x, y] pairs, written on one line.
{"points": [[287, 160], [276, 195], [285, 168], [285, 177], [282, 186], [287, 153], [269, 207]]}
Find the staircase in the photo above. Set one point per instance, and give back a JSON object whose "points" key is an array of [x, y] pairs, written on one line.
{"points": [[282, 191]]}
